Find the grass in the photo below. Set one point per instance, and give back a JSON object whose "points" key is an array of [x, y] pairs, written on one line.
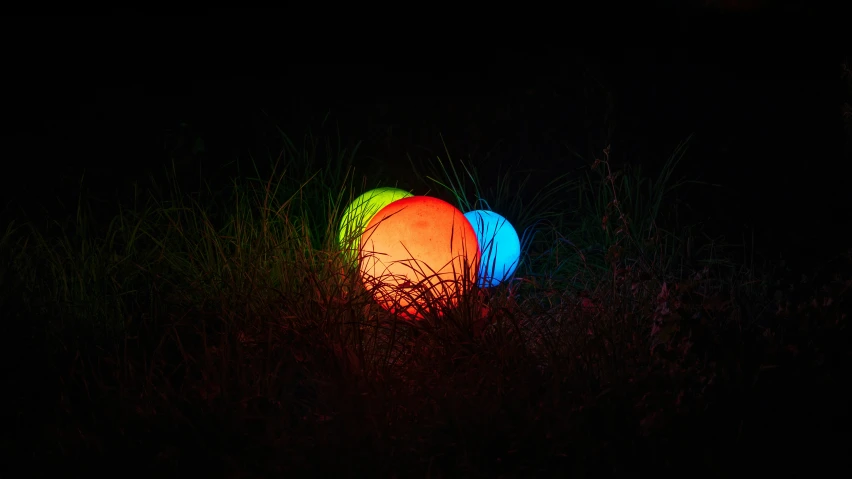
{"points": [[222, 332]]}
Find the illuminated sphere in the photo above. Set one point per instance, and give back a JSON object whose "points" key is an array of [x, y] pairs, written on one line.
{"points": [[358, 214], [418, 251], [500, 246]]}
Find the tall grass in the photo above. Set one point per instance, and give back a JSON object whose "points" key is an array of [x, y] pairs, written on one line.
{"points": [[228, 332]]}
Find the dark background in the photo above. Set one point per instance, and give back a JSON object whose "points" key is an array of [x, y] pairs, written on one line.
{"points": [[757, 83]]}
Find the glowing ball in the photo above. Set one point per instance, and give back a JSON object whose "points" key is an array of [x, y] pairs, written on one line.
{"points": [[418, 252], [358, 214], [500, 246]]}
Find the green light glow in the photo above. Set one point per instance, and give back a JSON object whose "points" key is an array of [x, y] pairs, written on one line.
{"points": [[359, 213]]}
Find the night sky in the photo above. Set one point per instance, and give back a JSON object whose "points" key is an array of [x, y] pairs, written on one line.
{"points": [[761, 94]]}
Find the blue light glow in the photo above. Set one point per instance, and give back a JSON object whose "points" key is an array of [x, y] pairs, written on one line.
{"points": [[501, 248]]}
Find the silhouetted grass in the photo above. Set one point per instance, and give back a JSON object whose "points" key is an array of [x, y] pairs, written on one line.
{"points": [[209, 333]]}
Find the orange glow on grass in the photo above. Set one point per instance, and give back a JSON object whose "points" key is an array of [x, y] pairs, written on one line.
{"points": [[419, 251]]}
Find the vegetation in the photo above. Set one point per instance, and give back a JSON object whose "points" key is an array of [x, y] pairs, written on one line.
{"points": [[222, 332]]}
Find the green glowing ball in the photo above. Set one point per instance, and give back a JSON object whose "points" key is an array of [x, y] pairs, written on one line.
{"points": [[359, 213]]}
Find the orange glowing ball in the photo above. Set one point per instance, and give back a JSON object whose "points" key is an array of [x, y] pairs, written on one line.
{"points": [[418, 252]]}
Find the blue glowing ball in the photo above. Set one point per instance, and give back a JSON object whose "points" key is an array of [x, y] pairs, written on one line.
{"points": [[500, 246]]}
